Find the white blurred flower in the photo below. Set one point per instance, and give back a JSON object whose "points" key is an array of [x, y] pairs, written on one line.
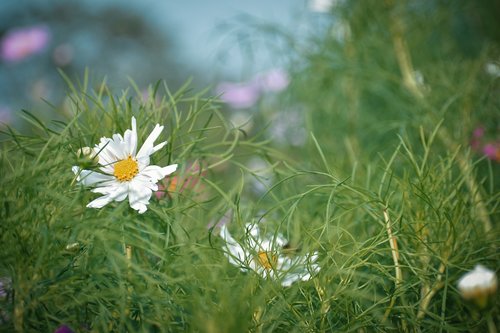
{"points": [[63, 55], [478, 284], [419, 77], [274, 80], [265, 256], [72, 246], [288, 128], [242, 120], [322, 6], [492, 69], [5, 286], [262, 174], [419, 80], [123, 171]]}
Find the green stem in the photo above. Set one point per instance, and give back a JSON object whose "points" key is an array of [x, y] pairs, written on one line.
{"points": [[491, 324], [395, 257]]}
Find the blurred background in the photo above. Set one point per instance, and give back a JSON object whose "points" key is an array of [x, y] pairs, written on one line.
{"points": [[144, 40], [300, 65]]}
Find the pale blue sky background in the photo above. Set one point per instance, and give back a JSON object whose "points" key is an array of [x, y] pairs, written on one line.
{"points": [[194, 23]]}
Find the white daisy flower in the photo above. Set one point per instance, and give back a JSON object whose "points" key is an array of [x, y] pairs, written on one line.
{"points": [[124, 172], [323, 6], [266, 257], [478, 284]]}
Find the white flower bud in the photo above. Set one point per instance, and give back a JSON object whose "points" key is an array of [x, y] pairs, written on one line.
{"points": [[87, 153], [478, 284]]}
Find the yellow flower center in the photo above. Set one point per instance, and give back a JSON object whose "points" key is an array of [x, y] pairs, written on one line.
{"points": [[267, 260], [126, 169]]}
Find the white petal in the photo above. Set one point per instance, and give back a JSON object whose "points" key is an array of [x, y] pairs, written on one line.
{"points": [[147, 148], [289, 280], [314, 268], [144, 181], [108, 169], [280, 241], [253, 235], [252, 229], [106, 158], [87, 177], [138, 196], [158, 147], [99, 202], [237, 255], [155, 173], [267, 245], [118, 147], [284, 263], [306, 276], [130, 139], [117, 191]]}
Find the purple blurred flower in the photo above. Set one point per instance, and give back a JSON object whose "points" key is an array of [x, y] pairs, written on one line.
{"points": [[19, 43], [63, 329], [273, 81], [239, 95]]}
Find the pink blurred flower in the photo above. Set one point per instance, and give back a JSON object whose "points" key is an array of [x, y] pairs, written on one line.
{"points": [[492, 151], [275, 80], [478, 132], [239, 95], [243, 95], [20, 43], [477, 136]]}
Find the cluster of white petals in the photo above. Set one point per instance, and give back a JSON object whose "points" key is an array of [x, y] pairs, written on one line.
{"points": [[266, 256], [123, 171]]}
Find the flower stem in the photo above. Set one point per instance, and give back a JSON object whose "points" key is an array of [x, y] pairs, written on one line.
{"points": [[427, 294], [256, 317], [491, 324], [395, 257]]}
